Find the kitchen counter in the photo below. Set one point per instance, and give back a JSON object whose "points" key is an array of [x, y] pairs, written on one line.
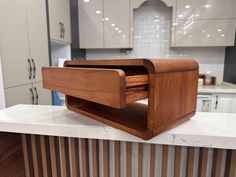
{"points": [[222, 88], [215, 130]]}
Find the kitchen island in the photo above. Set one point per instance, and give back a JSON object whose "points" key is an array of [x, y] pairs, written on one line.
{"points": [[57, 142]]}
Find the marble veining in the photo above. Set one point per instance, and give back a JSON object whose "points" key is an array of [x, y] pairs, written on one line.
{"points": [[215, 130]]}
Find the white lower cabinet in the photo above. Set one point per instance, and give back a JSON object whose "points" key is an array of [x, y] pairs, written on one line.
{"points": [[44, 95], [28, 94], [225, 103]]}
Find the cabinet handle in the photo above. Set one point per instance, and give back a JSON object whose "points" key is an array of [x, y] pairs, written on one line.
{"points": [[34, 68], [32, 95], [61, 30], [37, 96], [30, 69], [216, 105]]}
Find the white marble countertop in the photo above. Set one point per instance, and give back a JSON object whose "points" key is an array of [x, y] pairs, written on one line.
{"points": [[216, 130], [222, 88]]}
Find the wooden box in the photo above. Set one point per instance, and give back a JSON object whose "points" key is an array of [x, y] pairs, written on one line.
{"points": [[108, 91]]}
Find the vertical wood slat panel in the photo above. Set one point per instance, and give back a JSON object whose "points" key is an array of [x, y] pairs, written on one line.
{"points": [[43, 156], [74, 157], [25, 154], [106, 158], [202, 166], [140, 159], [152, 159], [217, 162], [53, 156], [63, 157], [232, 168], [177, 163], [128, 159], [164, 167], [117, 159], [84, 157], [95, 158], [190, 161], [34, 155]]}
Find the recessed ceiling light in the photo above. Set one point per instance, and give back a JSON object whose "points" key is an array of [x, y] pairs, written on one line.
{"points": [[116, 29], [203, 31], [207, 6], [113, 24], [222, 35], [119, 31], [180, 15], [190, 36], [208, 35], [86, 0], [123, 36], [106, 19], [187, 6], [219, 30], [98, 12]]}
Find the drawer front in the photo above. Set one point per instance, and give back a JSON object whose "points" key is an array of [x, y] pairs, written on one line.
{"points": [[104, 86]]}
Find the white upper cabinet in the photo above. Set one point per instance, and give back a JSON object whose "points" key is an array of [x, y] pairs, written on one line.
{"points": [[105, 23], [205, 33], [38, 37], [203, 23], [91, 23], [59, 20], [116, 23], [205, 9], [14, 44]]}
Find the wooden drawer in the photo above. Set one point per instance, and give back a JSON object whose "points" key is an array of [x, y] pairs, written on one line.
{"points": [[111, 87]]}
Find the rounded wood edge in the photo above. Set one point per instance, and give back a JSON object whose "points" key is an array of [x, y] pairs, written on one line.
{"points": [[159, 65]]}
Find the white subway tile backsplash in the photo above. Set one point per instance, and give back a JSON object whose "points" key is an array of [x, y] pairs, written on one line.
{"points": [[152, 35]]}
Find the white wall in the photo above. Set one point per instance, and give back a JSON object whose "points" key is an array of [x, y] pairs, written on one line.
{"points": [[59, 51], [152, 29], [2, 97]]}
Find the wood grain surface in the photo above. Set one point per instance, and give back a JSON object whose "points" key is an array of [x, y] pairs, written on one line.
{"points": [[97, 88]]}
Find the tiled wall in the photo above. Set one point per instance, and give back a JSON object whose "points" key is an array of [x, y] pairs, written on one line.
{"points": [[152, 29]]}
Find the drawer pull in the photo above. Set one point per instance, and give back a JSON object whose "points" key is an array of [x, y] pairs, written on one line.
{"points": [[32, 95], [37, 96], [34, 68], [30, 69]]}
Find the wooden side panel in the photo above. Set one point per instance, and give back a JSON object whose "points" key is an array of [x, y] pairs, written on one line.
{"points": [[152, 159], [117, 159], [190, 161], [203, 158], [104, 86], [11, 156], [164, 169], [174, 98], [128, 158], [221, 164], [177, 164], [106, 165], [140, 160]]}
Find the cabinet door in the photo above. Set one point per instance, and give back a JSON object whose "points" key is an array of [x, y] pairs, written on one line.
{"points": [[38, 36], [205, 33], [59, 18], [91, 23], [225, 103], [19, 95], [65, 19], [116, 23], [42, 96], [14, 47], [205, 9]]}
